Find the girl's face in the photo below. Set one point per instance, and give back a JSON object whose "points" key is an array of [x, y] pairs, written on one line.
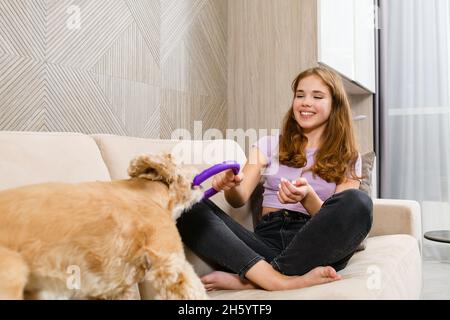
{"points": [[312, 103]]}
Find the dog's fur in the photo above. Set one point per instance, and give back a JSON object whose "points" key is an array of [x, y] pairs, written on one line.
{"points": [[115, 233]]}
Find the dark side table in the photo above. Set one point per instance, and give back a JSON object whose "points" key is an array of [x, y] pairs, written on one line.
{"points": [[438, 235]]}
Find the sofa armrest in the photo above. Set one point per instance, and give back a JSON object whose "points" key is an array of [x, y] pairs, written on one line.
{"points": [[396, 217]]}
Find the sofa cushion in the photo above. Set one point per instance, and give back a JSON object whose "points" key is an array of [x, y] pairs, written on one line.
{"points": [[368, 160], [389, 268], [29, 157]]}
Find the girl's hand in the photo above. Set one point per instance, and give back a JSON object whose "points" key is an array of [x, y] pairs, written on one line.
{"points": [[293, 191], [226, 180]]}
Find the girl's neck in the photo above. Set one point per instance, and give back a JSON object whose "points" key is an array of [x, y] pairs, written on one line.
{"points": [[314, 138]]}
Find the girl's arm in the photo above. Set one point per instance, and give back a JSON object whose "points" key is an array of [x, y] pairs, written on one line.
{"points": [[350, 183], [300, 191], [347, 184], [239, 194], [312, 203]]}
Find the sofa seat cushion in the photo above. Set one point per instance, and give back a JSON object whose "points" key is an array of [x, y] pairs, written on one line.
{"points": [[389, 268], [30, 157]]}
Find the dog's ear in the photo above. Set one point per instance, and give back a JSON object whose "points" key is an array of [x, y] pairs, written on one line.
{"points": [[153, 167]]}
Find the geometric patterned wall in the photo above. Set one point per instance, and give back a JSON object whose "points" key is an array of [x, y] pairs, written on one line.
{"points": [[133, 67]]}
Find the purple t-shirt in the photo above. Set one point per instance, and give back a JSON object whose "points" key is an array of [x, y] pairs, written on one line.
{"points": [[275, 171]]}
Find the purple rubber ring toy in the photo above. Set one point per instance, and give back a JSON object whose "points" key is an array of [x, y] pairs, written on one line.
{"points": [[204, 175]]}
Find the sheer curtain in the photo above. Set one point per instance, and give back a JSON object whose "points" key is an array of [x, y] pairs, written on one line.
{"points": [[415, 110]]}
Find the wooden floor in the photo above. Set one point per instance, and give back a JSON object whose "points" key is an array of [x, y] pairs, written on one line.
{"points": [[436, 280]]}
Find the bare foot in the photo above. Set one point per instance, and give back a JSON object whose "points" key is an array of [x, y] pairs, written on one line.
{"points": [[219, 280], [318, 275]]}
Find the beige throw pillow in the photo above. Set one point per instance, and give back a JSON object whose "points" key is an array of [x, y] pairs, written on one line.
{"points": [[366, 182], [367, 168]]}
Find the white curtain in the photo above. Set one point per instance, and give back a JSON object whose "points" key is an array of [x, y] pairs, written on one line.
{"points": [[415, 110]]}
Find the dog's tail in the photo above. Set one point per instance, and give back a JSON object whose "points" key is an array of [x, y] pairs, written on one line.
{"points": [[13, 274]]}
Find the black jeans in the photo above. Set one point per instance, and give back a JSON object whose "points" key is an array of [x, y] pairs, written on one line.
{"points": [[293, 242]]}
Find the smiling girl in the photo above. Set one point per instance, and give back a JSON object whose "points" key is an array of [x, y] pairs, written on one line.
{"points": [[313, 216]]}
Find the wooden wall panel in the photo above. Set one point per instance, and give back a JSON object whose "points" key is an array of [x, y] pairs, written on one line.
{"points": [[362, 105], [270, 42], [147, 67], [133, 67]]}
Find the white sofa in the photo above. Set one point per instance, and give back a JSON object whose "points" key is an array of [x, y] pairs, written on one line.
{"points": [[389, 267]]}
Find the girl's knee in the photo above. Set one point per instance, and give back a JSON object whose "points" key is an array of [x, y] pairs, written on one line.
{"points": [[358, 197], [360, 205]]}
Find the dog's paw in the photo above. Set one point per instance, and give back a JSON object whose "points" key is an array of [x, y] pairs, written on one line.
{"points": [[193, 287]]}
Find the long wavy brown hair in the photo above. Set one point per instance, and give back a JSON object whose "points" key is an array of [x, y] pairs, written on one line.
{"points": [[337, 154]]}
